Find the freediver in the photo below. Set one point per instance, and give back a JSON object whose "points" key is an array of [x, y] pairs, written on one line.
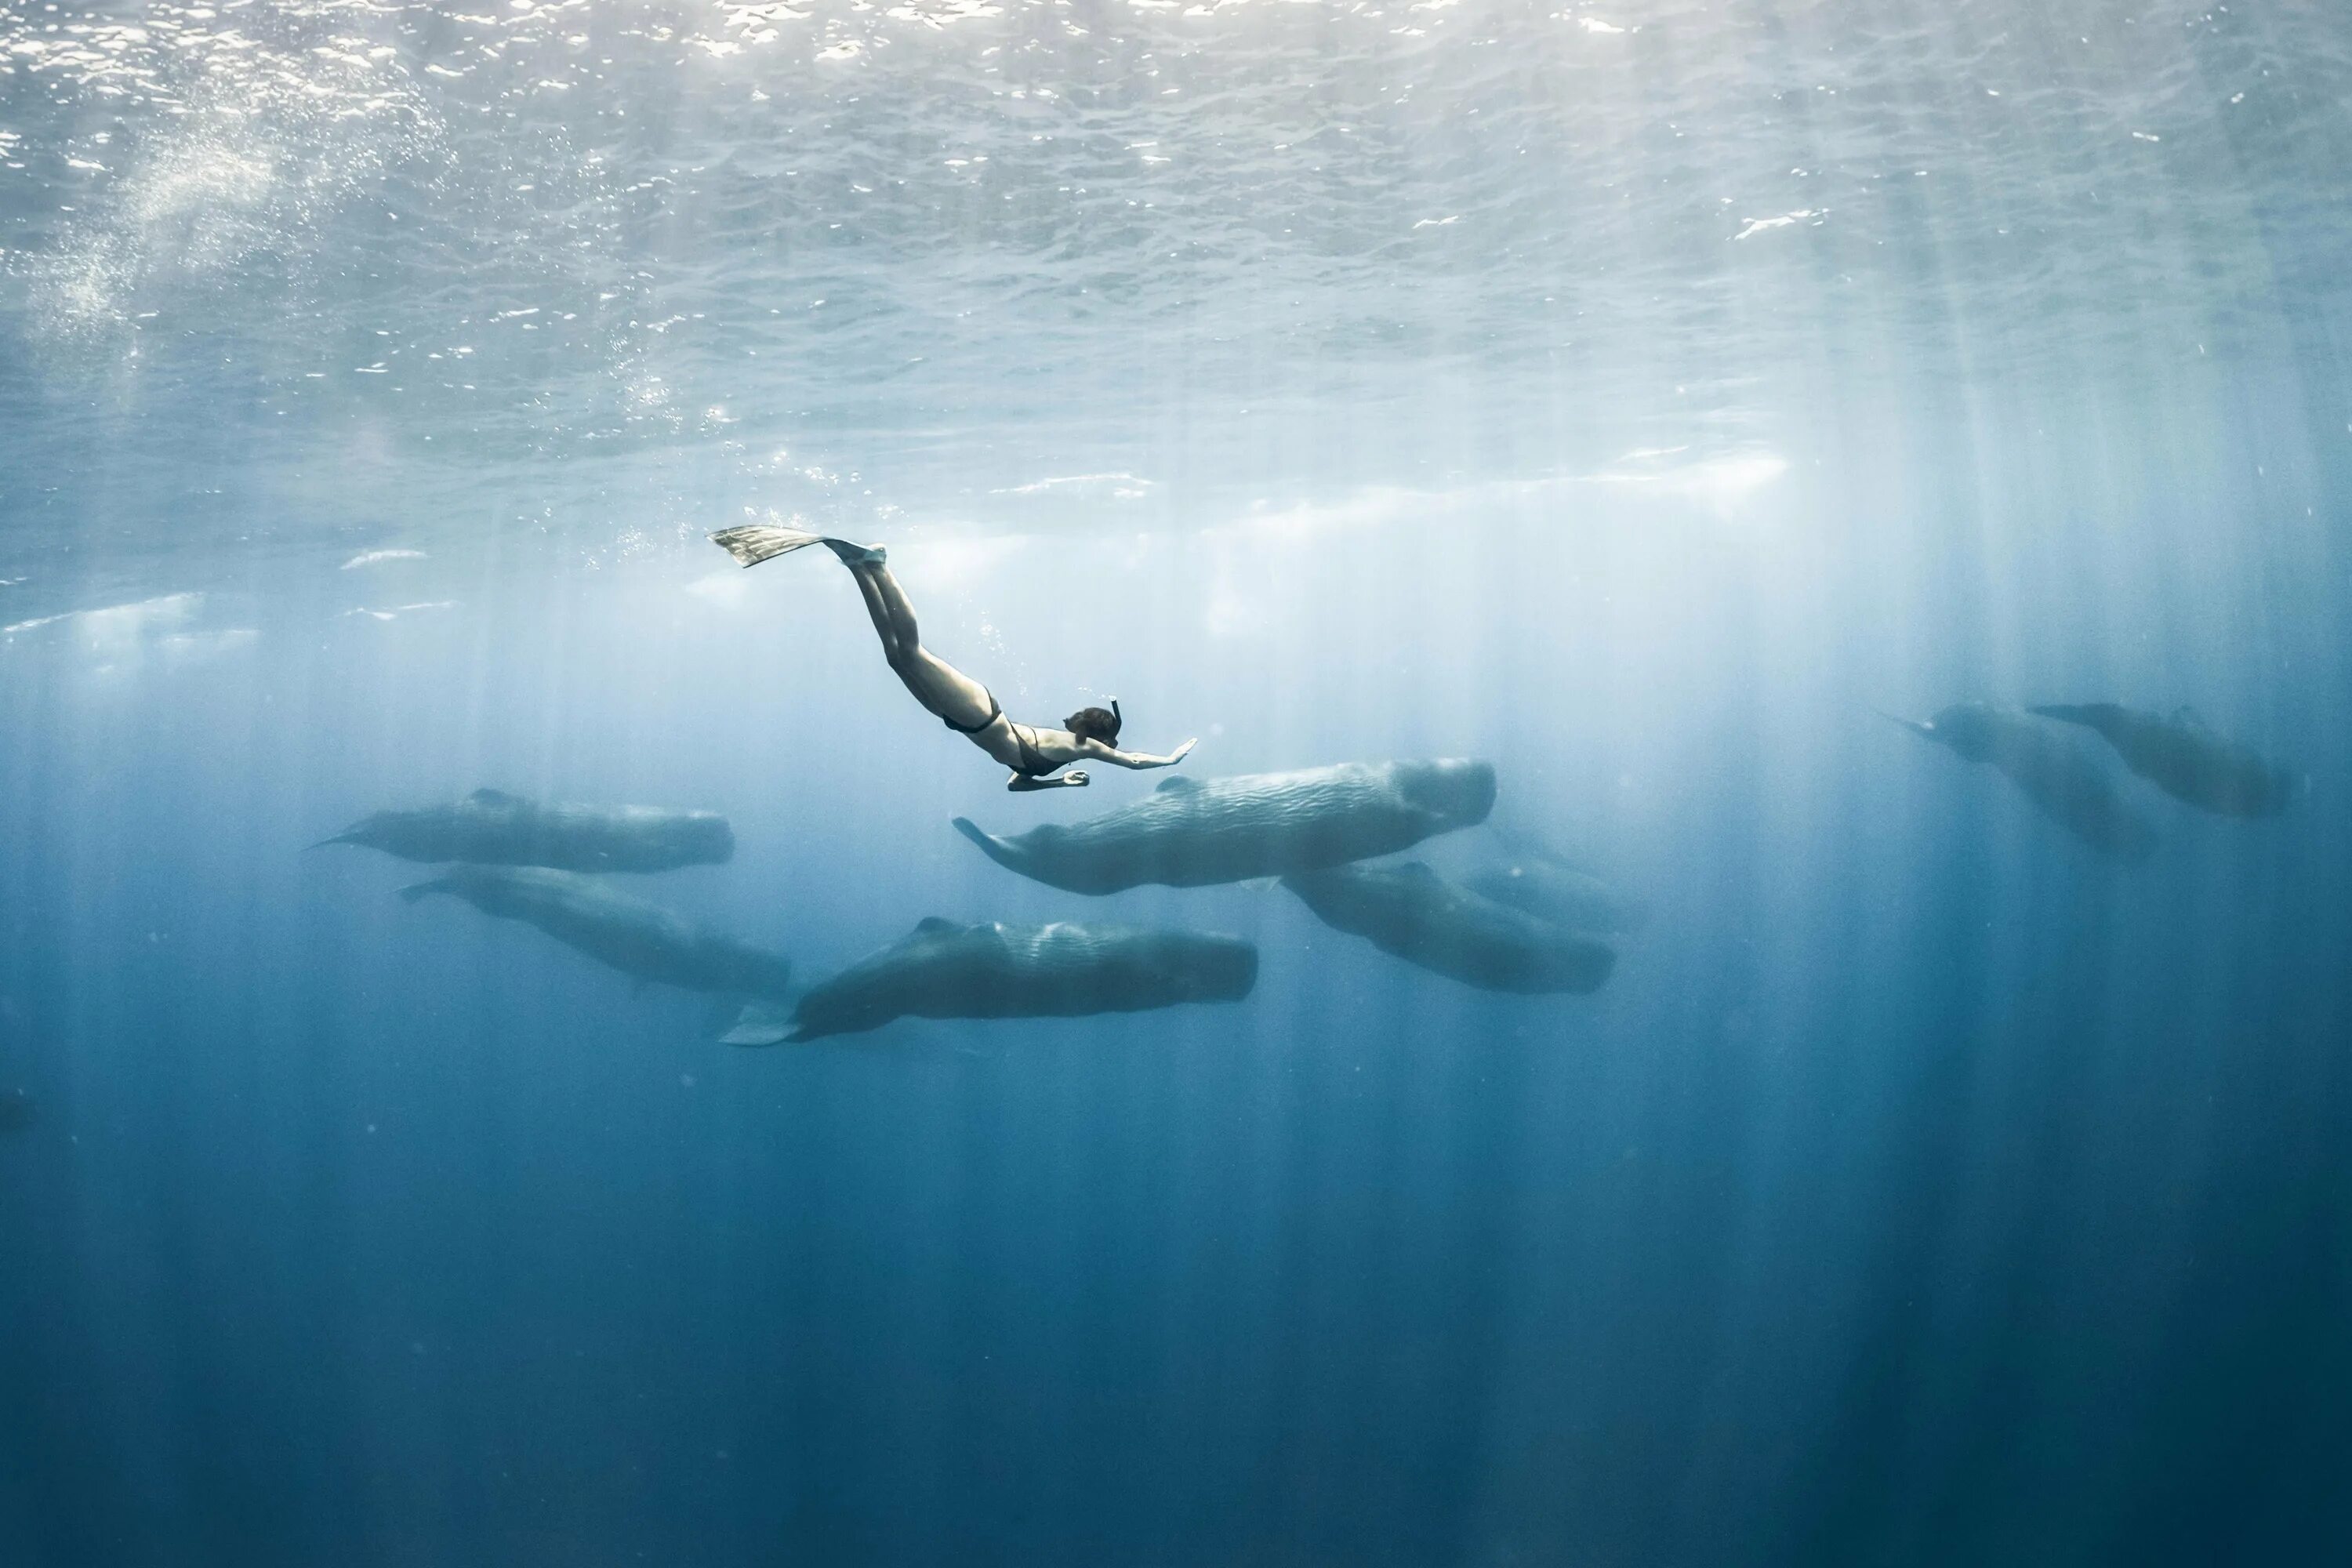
{"points": [[1034, 753]]}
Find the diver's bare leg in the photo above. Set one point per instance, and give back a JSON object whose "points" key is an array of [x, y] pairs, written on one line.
{"points": [[938, 686], [885, 626], [886, 602]]}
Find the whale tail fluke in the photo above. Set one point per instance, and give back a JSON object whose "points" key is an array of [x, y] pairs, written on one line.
{"points": [[761, 1026], [758, 1024], [995, 849]]}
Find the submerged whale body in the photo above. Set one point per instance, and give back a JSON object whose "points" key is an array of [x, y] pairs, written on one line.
{"points": [[1409, 912], [15, 1110], [1192, 833], [945, 970], [2041, 758], [491, 827], [1542, 885], [2184, 758], [621, 932]]}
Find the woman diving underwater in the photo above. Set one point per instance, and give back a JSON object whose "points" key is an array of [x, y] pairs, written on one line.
{"points": [[956, 699]]}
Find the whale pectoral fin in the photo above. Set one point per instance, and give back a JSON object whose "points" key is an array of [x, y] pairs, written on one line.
{"points": [[763, 541]]}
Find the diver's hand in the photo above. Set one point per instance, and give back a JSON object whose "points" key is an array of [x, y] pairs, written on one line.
{"points": [[1181, 753]]}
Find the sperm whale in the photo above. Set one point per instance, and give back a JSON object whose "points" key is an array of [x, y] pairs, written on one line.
{"points": [[1409, 912], [1194, 833], [642, 940], [2043, 760], [944, 968], [491, 827]]}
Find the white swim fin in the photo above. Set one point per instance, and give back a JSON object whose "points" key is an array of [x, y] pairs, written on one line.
{"points": [[755, 542], [762, 542]]}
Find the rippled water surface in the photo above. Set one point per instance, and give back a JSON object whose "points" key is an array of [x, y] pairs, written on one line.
{"points": [[851, 257]]}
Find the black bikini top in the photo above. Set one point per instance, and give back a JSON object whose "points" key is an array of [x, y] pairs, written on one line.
{"points": [[1031, 765]]}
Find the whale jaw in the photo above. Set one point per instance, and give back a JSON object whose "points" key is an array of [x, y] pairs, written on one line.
{"points": [[365, 832]]}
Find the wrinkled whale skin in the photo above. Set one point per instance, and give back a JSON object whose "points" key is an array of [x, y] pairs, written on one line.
{"points": [[946, 969], [618, 929], [1409, 912], [491, 827], [1539, 885], [2042, 759], [2184, 758], [1194, 833]]}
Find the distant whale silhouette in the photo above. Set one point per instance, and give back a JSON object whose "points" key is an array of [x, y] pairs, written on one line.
{"points": [[17, 1113], [1192, 833], [621, 932], [491, 827], [1542, 884], [2044, 760], [1411, 913], [2184, 758], [945, 970]]}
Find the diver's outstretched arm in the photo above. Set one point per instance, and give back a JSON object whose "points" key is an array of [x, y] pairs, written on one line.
{"points": [[1119, 759]]}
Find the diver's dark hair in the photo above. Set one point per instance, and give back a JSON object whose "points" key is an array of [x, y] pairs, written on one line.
{"points": [[1095, 723]]}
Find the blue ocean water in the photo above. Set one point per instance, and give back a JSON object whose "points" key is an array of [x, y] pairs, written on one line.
{"points": [[1635, 394]]}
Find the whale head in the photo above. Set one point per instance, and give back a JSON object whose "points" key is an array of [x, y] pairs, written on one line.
{"points": [[698, 837], [1971, 729], [1456, 791], [1213, 968]]}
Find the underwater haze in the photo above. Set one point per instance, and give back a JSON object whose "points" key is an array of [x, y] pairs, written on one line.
{"points": [[1642, 396]]}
